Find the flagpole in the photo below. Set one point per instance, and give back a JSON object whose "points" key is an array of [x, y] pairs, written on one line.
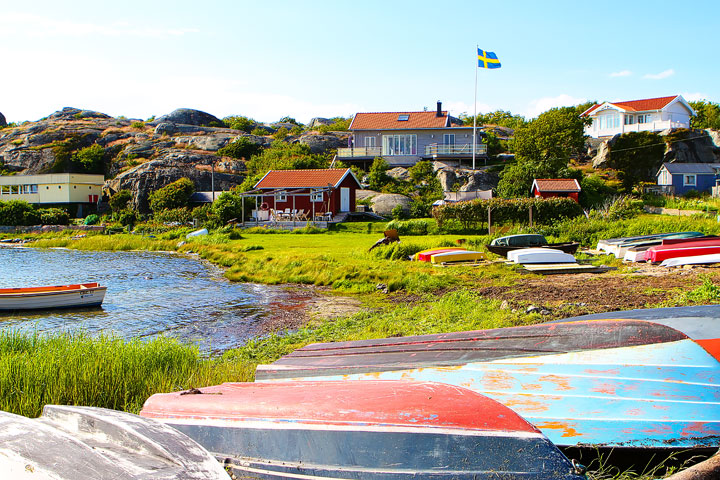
{"points": [[475, 111]]}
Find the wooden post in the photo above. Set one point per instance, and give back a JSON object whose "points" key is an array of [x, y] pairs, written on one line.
{"points": [[531, 215], [489, 221], [242, 210]]}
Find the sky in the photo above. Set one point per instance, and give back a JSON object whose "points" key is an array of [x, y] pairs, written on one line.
{"points": [[270, 59]]}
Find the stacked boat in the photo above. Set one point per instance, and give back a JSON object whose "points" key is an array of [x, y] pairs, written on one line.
{"points": [[443, 255], [668, 249]]}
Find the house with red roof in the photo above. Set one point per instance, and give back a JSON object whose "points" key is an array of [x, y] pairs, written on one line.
{"points": [[314, 193], [650, 114], [405, 138], [556, 187]]}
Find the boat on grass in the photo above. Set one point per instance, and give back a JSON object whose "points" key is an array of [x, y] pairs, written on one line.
{"points": [[613, 245], [503, 245], [540, 255], [659, 253], [56, 296], [426, 255], [638, 379], [708, 259], [361, 430], [86, 443], [457, 256]]}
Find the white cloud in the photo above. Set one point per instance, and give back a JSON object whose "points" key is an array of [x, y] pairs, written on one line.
{"points": [[621, 73], [541, 105], [661, 75], [694, 97], [27, 25]]}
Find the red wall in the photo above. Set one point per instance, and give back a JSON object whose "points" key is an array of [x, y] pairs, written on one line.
{"points": [[574, 195], [331, 202]]}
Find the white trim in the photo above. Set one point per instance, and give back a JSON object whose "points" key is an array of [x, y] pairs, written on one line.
{"points": [[685, 180]]}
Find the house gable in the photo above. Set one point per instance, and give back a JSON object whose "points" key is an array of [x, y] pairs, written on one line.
{"points": [[312, 178]]}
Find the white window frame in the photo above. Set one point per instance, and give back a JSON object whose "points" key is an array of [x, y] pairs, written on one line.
{"points": [[370, 142], [316, 196], [689, 180], [629, 119], [281, 197], [399, 145]]}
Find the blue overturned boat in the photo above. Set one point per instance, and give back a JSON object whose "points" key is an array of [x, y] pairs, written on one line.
{"points": [[642, 378]]}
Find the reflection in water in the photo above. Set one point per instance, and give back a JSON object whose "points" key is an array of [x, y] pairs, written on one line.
{"points": [[148, 294]]}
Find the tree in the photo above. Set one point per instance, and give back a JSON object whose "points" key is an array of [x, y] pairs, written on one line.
{"points": [[119, 201], [377, 176], [636, 156], [228, 206], [91, 158], [243, 147], [240, 123], [543, 148], [174, 195], [285, 156], [498, 117], [707, 115]]}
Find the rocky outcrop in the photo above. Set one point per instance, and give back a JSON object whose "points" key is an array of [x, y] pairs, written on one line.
{"points": [[399, 173], [3, 122], [173, 165], [454, 179], [699, 146], [384, 203], [188, 116], [323, 143], [71, 113]]}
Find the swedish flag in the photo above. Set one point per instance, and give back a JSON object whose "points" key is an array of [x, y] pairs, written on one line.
{"points": [[487, 59]]}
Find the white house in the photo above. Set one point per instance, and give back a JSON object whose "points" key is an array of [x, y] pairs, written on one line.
{"points": [[648, 115]]}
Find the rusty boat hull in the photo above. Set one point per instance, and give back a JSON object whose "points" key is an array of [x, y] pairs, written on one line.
{"points": [[642, 379]]}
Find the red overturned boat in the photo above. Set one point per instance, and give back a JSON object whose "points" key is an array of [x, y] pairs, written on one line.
{"points": [[361, 430], [701, 246]]}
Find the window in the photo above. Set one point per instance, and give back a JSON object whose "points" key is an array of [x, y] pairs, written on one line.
{"points": [[647, 118], [280, 197], [316, 196], [33, 188], [403, 118], [629, 119], [370, 142], [399, 145], [689, 180], [449, 139], [4, 190]]}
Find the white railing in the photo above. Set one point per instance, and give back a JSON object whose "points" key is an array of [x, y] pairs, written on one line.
{"points": [[455, 149], [634, 127], [359, 152]]}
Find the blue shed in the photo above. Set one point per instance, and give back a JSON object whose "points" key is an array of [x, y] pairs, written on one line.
{"points": [[680, 178]]}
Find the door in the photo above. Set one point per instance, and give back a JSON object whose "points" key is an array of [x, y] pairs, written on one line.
{"points": [[344, 199]]}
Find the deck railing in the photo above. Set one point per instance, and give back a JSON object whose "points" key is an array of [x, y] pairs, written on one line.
{"points": [[455, 149], [359, 152]]}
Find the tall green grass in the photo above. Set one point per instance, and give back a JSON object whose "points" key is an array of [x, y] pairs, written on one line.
{"points": [[76, 369]]}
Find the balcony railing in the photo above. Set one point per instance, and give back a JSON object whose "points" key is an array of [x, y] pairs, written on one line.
{"points": [[633, 127], [455, 149], [359, 152]]}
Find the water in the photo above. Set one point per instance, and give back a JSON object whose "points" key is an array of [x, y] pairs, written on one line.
{"points": [[148, 294]]}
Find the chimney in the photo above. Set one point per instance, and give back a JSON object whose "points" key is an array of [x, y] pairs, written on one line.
{"points": [[439, 109]]}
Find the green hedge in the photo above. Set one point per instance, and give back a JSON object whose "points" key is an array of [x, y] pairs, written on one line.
{"points": [[474, 214]]}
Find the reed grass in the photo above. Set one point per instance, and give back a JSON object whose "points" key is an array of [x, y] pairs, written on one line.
{"points": [[104, 371]]}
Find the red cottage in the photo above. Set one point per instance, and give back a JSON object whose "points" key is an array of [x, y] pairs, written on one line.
{"points": [[310, 192], [556, 187]]}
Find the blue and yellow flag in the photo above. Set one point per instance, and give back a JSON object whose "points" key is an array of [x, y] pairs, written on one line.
{"points": [[487, 59]]}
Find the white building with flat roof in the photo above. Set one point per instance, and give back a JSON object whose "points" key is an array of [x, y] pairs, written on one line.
{"points": [[52, 188]]}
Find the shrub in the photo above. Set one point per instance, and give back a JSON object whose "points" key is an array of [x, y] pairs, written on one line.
{"points": [[399, 212], [91, 158], [227, 207], [240, 148], [240, 123], [18, 212], [91, 219], [174, 195], [181, 215], [54, 216], [119, 201], [139, 125], [125, 217]]}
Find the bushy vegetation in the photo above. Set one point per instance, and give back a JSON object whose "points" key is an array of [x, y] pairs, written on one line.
{"points": [[22, 213], [241, 148], [285, 156], [71, 156], [636, 156], [474, 214], [707, 115], [238, 122], [174, 195], [498, 117], [339, 124]]}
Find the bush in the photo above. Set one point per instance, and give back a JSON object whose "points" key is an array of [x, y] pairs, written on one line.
{"points": [[399, 212], [91, 219], [240, 148], [175, 215], [125, 217], [174, 195], [228, 206], [119, 201], [54, 216], [18, 212]]}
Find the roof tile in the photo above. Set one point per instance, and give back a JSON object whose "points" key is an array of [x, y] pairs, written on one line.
{"points": [[302, 178], [643, 105], [389, 121], [557, 185]]}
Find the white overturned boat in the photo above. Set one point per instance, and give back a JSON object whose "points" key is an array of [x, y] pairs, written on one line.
{"points": [[86, 443], [56, 296], [540, 255], [708, 259]]}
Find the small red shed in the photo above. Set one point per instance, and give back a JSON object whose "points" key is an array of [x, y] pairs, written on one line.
{"points": [[316, 191], [556, 187]]}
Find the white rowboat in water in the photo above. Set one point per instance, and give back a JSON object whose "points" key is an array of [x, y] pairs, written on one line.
{"points": [[56, 296]]}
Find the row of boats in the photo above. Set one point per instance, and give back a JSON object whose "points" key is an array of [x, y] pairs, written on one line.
{"points": [[497, 403], [667, 249]]}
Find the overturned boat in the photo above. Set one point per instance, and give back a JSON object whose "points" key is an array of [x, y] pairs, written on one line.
{"points": [[361, 430], [646, 378], [86, 443]]}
